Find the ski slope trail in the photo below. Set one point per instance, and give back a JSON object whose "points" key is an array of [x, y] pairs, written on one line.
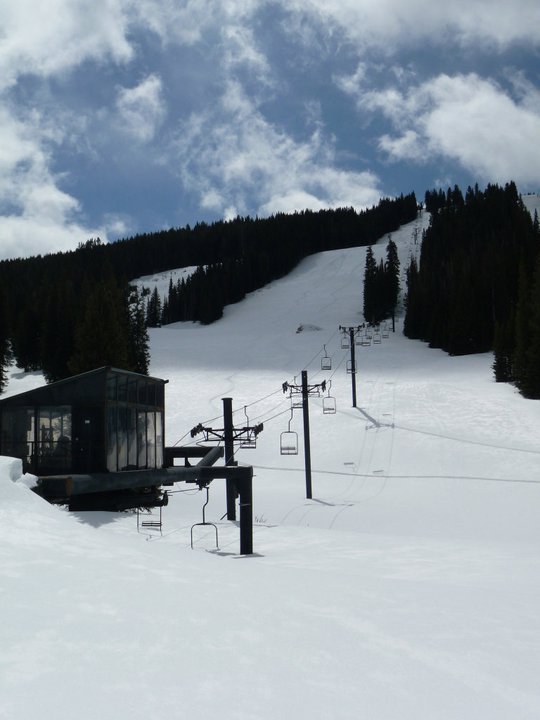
{"points": [[406, 588]]}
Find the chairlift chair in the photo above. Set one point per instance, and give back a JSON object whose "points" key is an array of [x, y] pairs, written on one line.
{"points": [[377, 338], [345, 342], [250, 441], [349, 367], [329, 402], [288, 443], [329, 405], [205, 522], [326, 361], [385, 332], [288, 440]]}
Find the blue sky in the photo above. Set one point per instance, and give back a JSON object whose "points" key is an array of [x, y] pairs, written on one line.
{"points": [[126, 116]]}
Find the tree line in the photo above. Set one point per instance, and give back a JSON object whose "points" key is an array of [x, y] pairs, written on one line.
{"points": [[476, 287], [70, 312], [270, 249], [381, 284]]}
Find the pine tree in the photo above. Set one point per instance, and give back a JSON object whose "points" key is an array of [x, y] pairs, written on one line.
{"points": [[527, 354], [370, 285], [5, 354], [57, 330], [102, 336], [153, 309], [392, 271], [503, 350], [138, 333]]}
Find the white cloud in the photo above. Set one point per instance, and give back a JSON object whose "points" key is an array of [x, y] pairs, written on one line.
{"points": [[466, 118], [49, 38], [235, 158], [230, 155], [192, 21], [141, 109], [36, 216], [393, 24]]}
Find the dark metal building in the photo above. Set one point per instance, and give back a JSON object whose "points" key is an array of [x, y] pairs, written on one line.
{"points": [[105, 420]]}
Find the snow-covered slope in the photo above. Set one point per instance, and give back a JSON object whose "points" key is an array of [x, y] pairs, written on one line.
{"points": [[407, 588]]}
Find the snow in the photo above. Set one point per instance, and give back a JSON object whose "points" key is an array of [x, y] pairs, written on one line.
{"points": [[161, 280], [407, 588]]}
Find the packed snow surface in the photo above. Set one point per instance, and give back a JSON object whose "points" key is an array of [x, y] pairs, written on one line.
{"points": [[407, 589]]}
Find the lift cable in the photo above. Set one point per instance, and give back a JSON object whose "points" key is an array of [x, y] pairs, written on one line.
{"points": [[401, 477]]}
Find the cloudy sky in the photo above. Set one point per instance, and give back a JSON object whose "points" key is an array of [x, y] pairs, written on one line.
{"points": [[124, 116]]}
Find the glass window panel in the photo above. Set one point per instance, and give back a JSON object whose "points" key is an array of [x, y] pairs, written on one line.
{"points": [[132, 437], [112, 460], [54, 442], [151, 439], [122, 438], [141, 439], [18, 433], [159, 440]]}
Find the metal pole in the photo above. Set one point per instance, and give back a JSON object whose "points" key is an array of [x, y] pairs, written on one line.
{"points": [[229, 456], [353, 366], [307, 444], [246, 515]]}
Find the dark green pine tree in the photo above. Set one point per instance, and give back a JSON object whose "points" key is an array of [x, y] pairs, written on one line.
{"points": [[370, 286], [5, 354], [503, 350], [521, 331], [414, 319], [153, 309], [138, 333], [392, 272], [527, 357], [57, 330], [102, 335]]}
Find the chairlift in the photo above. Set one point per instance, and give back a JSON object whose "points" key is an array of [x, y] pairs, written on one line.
{"points": [[349, 366], [329, 402], [326, 361], [288, 441], [369, 333], [366, 342], [250, 441], [345, 342], [385, 331], [359, 338], [204, 522], [377, 338]]}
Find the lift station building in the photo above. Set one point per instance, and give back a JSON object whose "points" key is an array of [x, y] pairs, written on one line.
{"points": [[103, 421]]}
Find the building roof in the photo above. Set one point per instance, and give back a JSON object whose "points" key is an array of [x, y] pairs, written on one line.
{"points": [[54, 393]]}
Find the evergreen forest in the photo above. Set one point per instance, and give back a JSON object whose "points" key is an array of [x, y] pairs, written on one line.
{"points": [[66, 313], [476, 286]]}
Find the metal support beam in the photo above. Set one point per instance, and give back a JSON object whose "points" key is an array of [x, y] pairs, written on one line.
{"points": [[353, 365], [229, 456], [307, 441]]}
